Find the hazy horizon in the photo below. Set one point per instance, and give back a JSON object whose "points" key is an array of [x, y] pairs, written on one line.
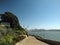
{"points": [[40, 14]]}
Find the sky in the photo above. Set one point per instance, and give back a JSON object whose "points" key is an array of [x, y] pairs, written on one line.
{"points": [[34, 14]]}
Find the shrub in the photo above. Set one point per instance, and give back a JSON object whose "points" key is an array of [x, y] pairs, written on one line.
{"points": [[6, 40]]}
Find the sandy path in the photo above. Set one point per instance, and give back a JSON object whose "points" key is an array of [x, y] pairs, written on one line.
{"points": [[30, 40]]}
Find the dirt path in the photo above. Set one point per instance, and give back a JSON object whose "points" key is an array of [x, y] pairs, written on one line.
{"points": [[30, 40]]}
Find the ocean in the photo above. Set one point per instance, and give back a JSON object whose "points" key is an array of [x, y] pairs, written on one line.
{"points": [[51, 35]]}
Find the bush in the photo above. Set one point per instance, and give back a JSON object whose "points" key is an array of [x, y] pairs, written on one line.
{"points": [[6, 40]]}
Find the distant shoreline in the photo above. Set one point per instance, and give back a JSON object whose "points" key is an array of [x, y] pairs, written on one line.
{"points": [[51, 42]]}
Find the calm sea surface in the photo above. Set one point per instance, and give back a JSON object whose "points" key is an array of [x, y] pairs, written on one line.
{"points": [[51, 35]]}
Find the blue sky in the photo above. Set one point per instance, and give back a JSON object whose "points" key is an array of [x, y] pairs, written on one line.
{"points": [[40, 14]]}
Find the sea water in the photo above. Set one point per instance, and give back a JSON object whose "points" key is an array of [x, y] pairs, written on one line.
{"points": [[51, 35]]}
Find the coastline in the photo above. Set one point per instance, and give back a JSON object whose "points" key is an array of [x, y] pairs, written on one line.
{"points": [[51, 42]]}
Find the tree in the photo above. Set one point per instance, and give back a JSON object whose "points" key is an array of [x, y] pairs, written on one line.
{"points": [[12, 19]]}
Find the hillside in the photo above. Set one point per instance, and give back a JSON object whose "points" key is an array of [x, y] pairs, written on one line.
{"points": [[10, 29]]}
